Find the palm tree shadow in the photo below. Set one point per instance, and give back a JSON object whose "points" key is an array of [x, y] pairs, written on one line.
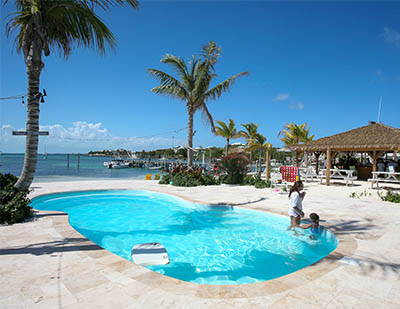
{"points": [[48, 248]]}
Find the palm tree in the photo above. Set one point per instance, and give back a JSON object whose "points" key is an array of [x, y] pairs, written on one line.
{"points": [[227, 131], [193, 85], [251, 131], [296, 134], [258, 142], [54, 24]]}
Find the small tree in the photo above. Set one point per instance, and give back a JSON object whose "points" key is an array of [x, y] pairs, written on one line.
{"points": [[227, 131]]}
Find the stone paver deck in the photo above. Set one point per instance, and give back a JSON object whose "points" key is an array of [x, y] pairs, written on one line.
{"points": [[45, 263]]}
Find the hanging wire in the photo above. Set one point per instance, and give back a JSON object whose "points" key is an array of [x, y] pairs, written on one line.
{"points": [[122, 138]]}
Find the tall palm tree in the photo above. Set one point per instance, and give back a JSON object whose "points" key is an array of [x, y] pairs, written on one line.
{"points": [[258, 142], [42, 26], [296, 134], [193, 85], [227, 131]]}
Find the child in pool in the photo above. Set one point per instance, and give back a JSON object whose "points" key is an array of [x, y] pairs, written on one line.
{"points": [[314, 225]]}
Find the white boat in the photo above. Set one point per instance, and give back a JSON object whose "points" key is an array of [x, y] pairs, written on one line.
{"points": [[117, 163], [155, 167], [152, 253]]}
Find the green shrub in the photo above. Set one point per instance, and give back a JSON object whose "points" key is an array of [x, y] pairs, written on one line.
{"points": [[208, 180], [157, 177], [249, 180], [13, 203], [390, 197], [185, 180], [165, 179], [261, 184], [183, 176]]}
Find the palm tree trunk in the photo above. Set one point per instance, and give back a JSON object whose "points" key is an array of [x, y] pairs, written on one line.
{"points": [[34, 65], [227, 147], [190, 137], [259, 162]]}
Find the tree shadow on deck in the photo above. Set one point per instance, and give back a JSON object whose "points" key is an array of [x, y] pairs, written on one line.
{"points": [[48, 248], [365, 262]]}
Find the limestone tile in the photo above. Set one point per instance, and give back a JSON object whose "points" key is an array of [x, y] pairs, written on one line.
{"points": [[97, 253], [369, 286], [259, 302], [136, 289], [121, 265], [389, 305], [50, 302], [352, 298], [394, 295], [108, 259], [118, 278], [291, 300], [27, 292], [109, 295], [83, 281], [12, 302], [315, 294]]}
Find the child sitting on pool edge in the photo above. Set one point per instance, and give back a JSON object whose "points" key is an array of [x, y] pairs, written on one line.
{"points": [[314, 225]]}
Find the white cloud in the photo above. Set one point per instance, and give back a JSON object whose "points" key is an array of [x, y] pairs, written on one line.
{"points": [[81, 137], [298, 105], [281, 97], [391, 36]]}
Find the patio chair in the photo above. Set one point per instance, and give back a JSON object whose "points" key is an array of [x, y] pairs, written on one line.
{"points": [[353, 168]]}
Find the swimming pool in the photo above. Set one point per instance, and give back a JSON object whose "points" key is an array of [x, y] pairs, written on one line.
{"points": [[206, 244]]}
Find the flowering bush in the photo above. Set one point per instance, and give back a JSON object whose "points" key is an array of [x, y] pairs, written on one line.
{"points": [[232, 168]]}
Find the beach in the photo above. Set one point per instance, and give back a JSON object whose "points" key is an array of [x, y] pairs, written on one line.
{"points": [[47, 264]]}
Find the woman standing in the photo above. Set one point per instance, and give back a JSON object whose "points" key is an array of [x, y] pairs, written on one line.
{"points": [[296, 204]]}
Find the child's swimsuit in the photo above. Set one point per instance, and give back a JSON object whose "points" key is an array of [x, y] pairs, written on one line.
{"points": [[314, 229]]}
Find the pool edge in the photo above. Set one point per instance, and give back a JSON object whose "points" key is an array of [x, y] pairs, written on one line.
{"points": [[346, 247]]}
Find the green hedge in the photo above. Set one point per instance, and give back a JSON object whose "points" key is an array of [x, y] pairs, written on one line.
{"points": [[13, 203]]}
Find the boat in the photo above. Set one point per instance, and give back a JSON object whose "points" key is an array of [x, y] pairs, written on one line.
{"points": [[155, 167], [152, 253], [117, 163]]}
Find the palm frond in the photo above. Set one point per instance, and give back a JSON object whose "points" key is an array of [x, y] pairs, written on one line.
{"points": [[222, 87], [164, 78], [207, 117], [174, 92], [61, 25]]}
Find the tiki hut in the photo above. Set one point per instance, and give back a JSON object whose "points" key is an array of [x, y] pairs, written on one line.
{"points": [[374, 139]]}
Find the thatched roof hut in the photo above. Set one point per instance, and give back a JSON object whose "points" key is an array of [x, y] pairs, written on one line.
{"points": [[374, 139], [375, 136]]}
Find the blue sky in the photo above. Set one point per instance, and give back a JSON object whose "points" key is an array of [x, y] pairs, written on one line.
{"points": [[320, 62]]}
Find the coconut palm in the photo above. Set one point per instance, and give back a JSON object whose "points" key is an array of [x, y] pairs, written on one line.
{"points": [[296, 134], [251, 131], [192, 85], [258, 142], [42, 26], [227, 131]]}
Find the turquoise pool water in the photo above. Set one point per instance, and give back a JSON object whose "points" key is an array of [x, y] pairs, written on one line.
{"points": [[206, 244]]}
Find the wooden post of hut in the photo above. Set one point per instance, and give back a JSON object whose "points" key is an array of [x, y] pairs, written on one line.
{"points": [[374, 161], [328, 167], [317, 154]]}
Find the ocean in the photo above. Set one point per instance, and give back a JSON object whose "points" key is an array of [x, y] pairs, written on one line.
{"points": [[55, 168]]}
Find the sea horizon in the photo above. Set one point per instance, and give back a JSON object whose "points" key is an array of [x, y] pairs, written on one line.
{"points": [[58, 167]]}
